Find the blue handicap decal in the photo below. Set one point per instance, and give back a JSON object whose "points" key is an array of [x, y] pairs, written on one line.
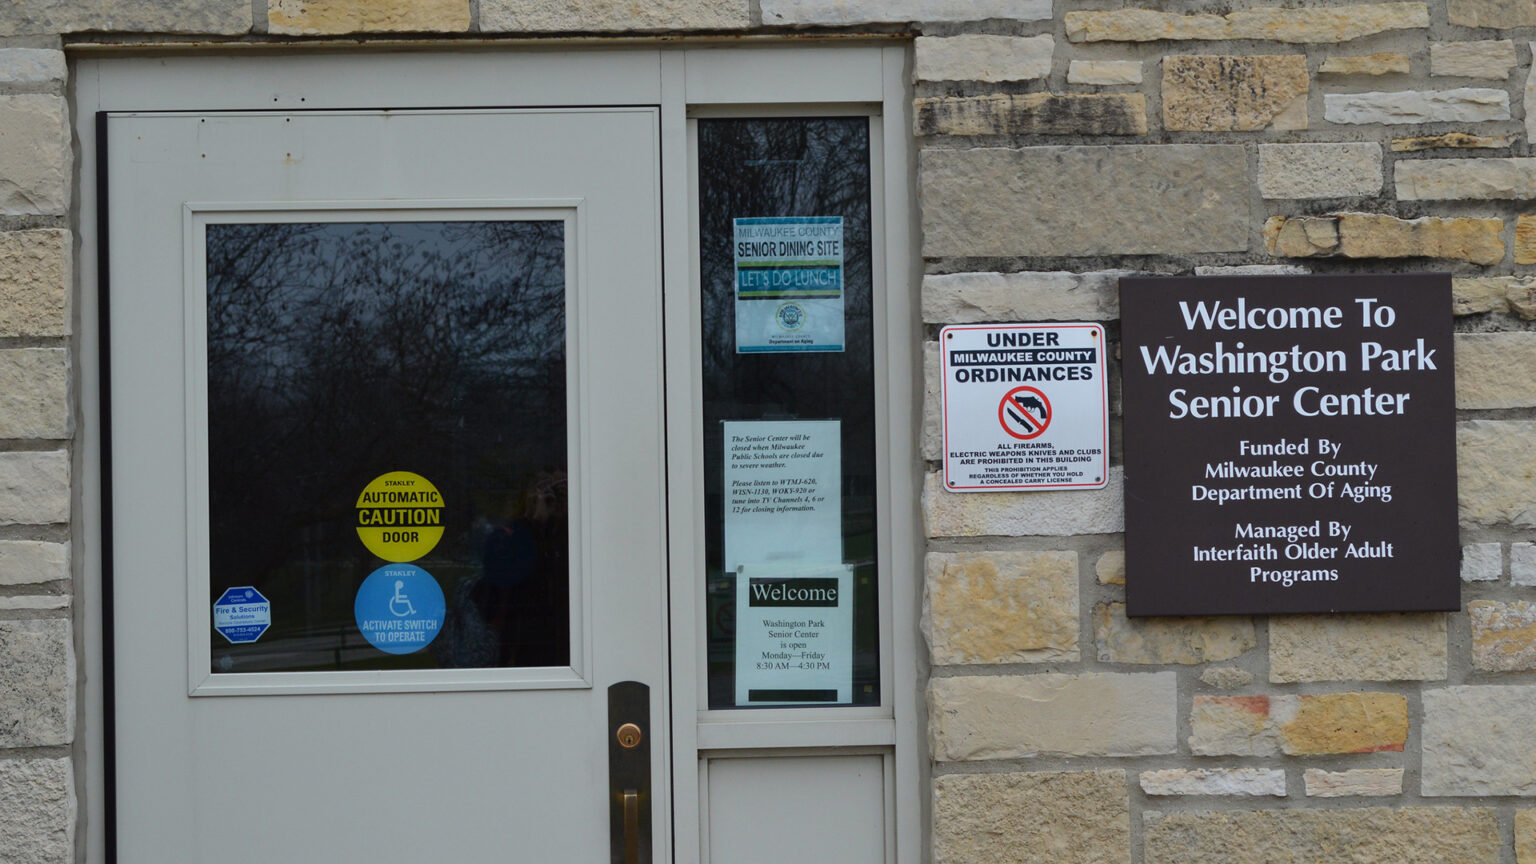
{"points": [[399, 608], [242, 614]]}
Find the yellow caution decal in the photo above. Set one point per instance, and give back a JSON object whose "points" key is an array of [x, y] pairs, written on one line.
{"points": [[400, 516]]}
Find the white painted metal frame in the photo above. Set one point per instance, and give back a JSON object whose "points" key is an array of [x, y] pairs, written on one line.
{"points": [[743, 81], [748, 82], [202, 682]]}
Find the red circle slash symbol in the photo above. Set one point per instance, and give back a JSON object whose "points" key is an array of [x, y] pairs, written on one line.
{"points": [[1024, 412]]}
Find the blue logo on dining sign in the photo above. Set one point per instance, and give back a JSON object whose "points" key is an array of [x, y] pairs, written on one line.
{"points": [[399, 608], [242, 614]]}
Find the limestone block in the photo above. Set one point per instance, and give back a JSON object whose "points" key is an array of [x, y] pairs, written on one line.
{"points": [[837, 13], [1185, 641], [37, 666], [32, 66], [1390, 647], [1000, 607], [1214, 781], [1320, 723], [1461, 105], [1482, 562], [1031, 114], [1272, 24], [37, 603], [1383, 63], [1110, 568], [1065, 817], [1213, 93], [337, 17], [1369, 835], [1104, 72], [1503, 635], [1496, 472], [1451, 140], [1471, 295], [563, 16], [1529, 100], [34, 283], [34, 393], [1487, 59], [1372, 235], [1089, 714], [1476, 742], [1521, 297], [1306, 725], [1251, 270], [35, 158], [1495, 370], [1024, 514], [933, 408], [1525, 239], [1302, 236], [1465, 179], [37, 823], [1525, 837], [29, 562], [967, 298], [1226, 677], [1522, 564], [34, 487], [1319, 170], [52, 17], [1373, 782], [1164, 199], [976, 57], [1232, 726], [1501, 14]]}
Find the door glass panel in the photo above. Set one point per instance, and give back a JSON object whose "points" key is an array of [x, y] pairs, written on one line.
{"points": [[387, 445], [789, 435]]}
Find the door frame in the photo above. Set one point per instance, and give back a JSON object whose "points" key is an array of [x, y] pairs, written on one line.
{"points": [[686, 79]]}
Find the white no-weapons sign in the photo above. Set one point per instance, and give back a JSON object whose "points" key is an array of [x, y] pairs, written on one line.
{"points": [[1026, 406]]}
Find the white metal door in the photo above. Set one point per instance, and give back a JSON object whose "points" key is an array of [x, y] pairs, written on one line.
{"points": [[484, 763]]}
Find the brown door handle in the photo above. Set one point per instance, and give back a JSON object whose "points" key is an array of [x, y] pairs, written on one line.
{"points": [[629, 774], [631, 827]]}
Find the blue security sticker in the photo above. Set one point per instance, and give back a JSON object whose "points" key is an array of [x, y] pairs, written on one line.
{"points": [[399, 608], [242, 614]]}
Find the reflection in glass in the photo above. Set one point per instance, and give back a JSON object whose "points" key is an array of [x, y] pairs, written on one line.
{"points": [[341, 352], [788, 167]]}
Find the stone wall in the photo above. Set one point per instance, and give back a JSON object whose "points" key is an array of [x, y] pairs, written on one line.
{"points": [[1059, 153], [1060, 146], [37, 639]]}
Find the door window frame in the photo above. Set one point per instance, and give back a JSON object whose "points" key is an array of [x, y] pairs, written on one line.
{"points": [[687, 80], [197, 216]]}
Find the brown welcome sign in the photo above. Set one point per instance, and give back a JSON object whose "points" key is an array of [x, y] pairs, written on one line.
{"points": [[1289, 444]]}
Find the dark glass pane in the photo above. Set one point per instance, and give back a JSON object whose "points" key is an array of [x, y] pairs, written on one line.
{"points": [[802, 178], [389, 389]]}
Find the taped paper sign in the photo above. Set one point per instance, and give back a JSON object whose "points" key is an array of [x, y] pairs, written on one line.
{"points": [[784, 543], [783, 493], [794, 636]]}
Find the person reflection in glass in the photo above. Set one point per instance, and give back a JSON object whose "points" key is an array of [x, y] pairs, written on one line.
{"points": [[516, 611]]}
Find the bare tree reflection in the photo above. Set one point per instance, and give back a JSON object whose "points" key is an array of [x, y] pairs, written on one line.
{"points": [[788, 167], [340, 351]]}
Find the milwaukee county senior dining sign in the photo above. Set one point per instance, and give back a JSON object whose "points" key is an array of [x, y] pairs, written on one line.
{"points": [[1289, 444]]}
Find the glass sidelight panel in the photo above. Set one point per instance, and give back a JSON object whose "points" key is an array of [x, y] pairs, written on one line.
{"points": [[789, 412], [387, 477]]}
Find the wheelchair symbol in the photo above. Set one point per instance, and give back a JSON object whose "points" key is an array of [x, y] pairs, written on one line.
{"points": [[400, 605]]}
